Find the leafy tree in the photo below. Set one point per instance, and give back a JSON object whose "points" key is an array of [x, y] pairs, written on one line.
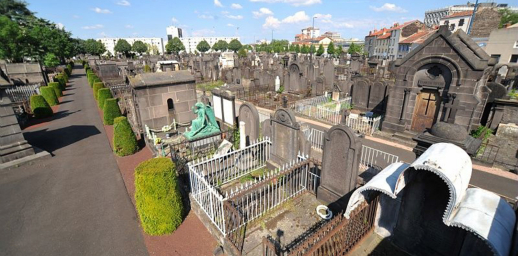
{"points": [[338, 51], [139, 47], [331, 48], [312, 48], [355, 48], [220, 45], [241, 53], [203, 46], [234, 45], [122, 46], [304, 49], [174, 45], [320, 50], [10, 37], [508, 16], [94, 47], [297, 48], [51, 60]]}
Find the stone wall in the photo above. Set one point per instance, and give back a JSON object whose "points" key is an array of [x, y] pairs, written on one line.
{"points": [[486, 20]]}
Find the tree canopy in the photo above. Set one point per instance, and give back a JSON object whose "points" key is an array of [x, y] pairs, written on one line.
{"points": [[508, 16], [242, 52], [331, 48], [234, 45], [304, 49], [220, 45], [320, 50], [355, 48], [93, 47], [174, 45], [122, 46], [139, 47], [23, 35], [203, 46], [51, 60]]}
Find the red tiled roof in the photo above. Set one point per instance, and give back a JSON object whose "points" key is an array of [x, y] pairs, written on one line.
{"points": [[404, 25], [379, 32], [385, 36], [418, 37], [458, 14]]}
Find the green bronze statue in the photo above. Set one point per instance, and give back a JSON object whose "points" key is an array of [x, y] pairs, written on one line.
{"points": [[204, 125]]}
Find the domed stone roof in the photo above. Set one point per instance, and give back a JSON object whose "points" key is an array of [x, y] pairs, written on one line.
{"points": [[449, 131]]}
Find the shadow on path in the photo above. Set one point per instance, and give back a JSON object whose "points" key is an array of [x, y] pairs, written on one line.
{"points": [[59, 138]]}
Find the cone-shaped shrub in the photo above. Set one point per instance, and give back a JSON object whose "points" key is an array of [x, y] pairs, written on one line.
{"points": [[124, 141], [57, 88], [39, 106], [49, 95], [65, 75], [97, 86], [61, 80], [89, 76], [158, 197], [110, 111], [102, 95]]}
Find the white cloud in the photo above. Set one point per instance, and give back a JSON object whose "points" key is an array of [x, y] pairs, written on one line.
{"points": [[174, 20], [230, 25], [234, 17], [60, 25], [99, 10], [236, 6], [128, 26], [296, 18], [388, 7], [206, 17], [262, 12], [292, 2], [271, 22], [97, 26], [344, 25], [124, 3], [323, 18], [218, 3]]}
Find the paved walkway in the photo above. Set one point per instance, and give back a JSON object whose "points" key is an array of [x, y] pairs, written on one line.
{"points": [[74, 203]]}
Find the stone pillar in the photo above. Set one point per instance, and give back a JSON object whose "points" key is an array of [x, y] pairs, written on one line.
{"points": [[242, 137]]}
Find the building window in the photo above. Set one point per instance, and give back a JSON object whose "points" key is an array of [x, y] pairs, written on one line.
{"points": [[496, 56], [461, 22], [515, 44], [514, 58]]}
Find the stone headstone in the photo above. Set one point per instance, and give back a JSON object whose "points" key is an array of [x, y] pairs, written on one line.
{"points": [[339, 164], [377, 98], [277, 84], [335, 96], [223, 148], [249, 115], [360, 95], [285, 138]]}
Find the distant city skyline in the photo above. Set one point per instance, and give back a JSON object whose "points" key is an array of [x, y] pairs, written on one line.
{"points": [[250, 20]]}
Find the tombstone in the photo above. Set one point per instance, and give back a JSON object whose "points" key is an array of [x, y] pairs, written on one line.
{"points": [[339, 164], [377, 97], [320, 85], [295, 74], [277, 84], [249, 115], [446, 132], [224, 107], [360, 94], [355, 63], [285, 138]]}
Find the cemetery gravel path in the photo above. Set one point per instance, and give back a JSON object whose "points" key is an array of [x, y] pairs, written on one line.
{"points": [[74, 203]]}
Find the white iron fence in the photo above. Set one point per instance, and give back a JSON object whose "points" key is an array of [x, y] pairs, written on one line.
{"points": [[375, 160], [22, 93], [315, 137], [322, 108], [363, 124]]}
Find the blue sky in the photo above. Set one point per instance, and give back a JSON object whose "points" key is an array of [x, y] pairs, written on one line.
{"points": [[250, 19]]}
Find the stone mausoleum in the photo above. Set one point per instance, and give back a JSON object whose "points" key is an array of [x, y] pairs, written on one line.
{"points": [[162, 97]]}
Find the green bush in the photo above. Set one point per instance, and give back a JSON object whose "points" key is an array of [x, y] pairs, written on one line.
{"points": [[57, 88], [40, 107], [158, 197], [124, 141], [49, 95], [110, 111], [61, 80], [102, 95], [97, 86], [65, 75]]}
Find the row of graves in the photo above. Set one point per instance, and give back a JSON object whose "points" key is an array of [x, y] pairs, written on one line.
{"points": [[270, 198]]}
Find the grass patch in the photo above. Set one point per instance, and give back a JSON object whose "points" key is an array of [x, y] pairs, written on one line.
{"points": [[210, 85]]}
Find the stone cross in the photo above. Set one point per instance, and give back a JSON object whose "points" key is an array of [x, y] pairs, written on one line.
{"points": [[452, 106]]}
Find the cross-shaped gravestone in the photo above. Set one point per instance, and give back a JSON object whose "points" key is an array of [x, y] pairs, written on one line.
{"points": [[452, 106]]}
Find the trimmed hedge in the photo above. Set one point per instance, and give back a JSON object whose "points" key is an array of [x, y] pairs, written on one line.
{"points": [[39, 106], [102, 95], [157, 196], [97, 86], [57, 88], [49, 95], [110, 111], [61, 80], [124, 141]]}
